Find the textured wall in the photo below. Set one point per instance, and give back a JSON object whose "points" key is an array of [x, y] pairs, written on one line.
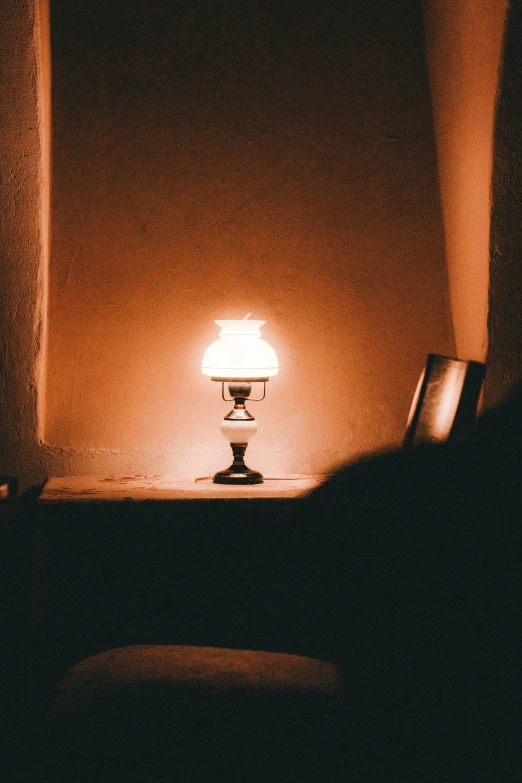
{"points": [[22, 238], [362, 355], [505, 316], [464, 53], [220, 158]]}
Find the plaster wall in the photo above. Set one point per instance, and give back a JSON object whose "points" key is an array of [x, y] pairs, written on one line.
{"points": [[22, 237], [464, 54], [211, 160], [380, 377], [505, 314]]}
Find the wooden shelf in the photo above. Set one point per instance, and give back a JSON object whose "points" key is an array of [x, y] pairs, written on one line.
{"points": [[107, 489]]}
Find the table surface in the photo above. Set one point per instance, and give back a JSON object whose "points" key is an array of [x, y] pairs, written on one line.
{"points": [[88, 489]]}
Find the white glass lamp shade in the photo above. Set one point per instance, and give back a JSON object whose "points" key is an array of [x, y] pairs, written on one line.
{"points": [[240, 353]]}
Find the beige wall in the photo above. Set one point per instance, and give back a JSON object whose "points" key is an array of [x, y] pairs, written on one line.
{"points": [[22, 240], [231, 161], [336, 213], [464, 54]]}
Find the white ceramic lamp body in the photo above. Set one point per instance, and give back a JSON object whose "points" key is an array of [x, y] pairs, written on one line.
{"points": [[238, 431]]}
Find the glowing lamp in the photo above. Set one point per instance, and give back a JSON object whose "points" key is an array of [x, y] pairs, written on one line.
{"points": [[239, 358]]}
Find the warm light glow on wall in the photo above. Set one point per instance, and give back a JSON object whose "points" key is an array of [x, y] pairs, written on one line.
{"points": [[464, 55], [298, 178]]}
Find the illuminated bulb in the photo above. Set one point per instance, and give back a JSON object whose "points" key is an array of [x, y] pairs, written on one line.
{"points": [[240, 353]]}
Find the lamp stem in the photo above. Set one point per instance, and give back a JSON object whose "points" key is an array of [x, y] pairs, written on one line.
{"points": [[238, 472]]}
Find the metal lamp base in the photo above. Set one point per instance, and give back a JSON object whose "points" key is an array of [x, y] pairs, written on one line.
{"points": [[238, 472], [229, 477]]}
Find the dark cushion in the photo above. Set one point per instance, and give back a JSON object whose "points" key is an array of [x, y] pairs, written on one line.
{"points": [[179, 666], [171, 712]]}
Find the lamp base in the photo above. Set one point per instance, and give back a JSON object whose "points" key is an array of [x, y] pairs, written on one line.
{"points": [[238, 472], [230, 477]]}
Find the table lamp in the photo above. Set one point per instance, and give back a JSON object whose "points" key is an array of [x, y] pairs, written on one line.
{"points": [[239, 358]]}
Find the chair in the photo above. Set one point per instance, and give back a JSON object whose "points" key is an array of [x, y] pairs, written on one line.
{"points": [[444, 406], [149, 712], [190, 714]]}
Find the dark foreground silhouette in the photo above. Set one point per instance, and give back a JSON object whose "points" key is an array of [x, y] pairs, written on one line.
{"points": [[405, 569], [417, 557]]}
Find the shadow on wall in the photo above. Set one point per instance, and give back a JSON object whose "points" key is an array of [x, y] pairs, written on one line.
{"points": [[505, 294]]}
